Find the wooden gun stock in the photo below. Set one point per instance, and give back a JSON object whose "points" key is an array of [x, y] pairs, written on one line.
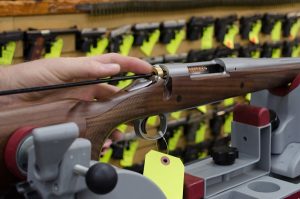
{"points": [[97, 119]]}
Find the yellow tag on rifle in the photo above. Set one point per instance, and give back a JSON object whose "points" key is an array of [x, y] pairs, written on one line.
{"points": [[176, 115], [105, 158], [128, 154], [248, 97], [124, 83], [167, 172], [175, 43], [126, 44], [229, 101], [148, 46], [56, 49], [230, 36], [207, 38], [100, 48], [173, 141], [203, 108], [276, 32], [8, 52], [200, 133], [254, 33], [122, 128], [227, 124], [255, 54], [294, 29], [203, 155], [276, 53], [296, 51]]}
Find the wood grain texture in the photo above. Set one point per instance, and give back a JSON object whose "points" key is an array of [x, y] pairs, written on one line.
{"points": [[96, 120]]}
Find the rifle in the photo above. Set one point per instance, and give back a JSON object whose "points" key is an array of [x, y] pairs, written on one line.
{"points": [[36, 40], [170, 88]]}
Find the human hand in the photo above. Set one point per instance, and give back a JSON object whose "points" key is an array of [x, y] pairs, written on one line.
{"points": [[61, 70]]}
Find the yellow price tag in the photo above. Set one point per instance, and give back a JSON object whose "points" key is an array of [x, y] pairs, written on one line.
{"points": [[106, 156], [207, 38], [200, 133], [255, 54], [100, 48], [167, 172], [173, 141], [296, 51], [148, 46], [248, 97], [8, 52], [152, 120], [276, 32], [176, 115], [122, 128], [175, 43], [124, 83], [295, 29], [230, 36], [227, 124], [56, 49], [203, 108], [276, 53], [128, 154], [229, 101], [254, 33], [126, 44]]}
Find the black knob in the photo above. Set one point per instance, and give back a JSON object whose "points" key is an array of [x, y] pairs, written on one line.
{"points": [[274, 120], [224, 155], [101, 178]]}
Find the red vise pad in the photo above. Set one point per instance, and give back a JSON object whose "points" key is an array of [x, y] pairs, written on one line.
{"points": [[294, 196], [283, 91], [11, 150], [251, 115], [193, 187]]}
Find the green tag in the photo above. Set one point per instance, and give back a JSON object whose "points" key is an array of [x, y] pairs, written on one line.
{"points": [[296, 51], [254, 33], [227, 124], [148, 46], [173, 141], [8, 52], [100, 48], [175, 43], [203, 108], [230, 36], [56, 49], [207, 38], [124, 83], [106, 156], [167, 172], [126, 44], [276, 53], [229, 101], [255, 54], [294, 29], [128, 154], [122, 128], [176, 115], [152, 120], [248, 97], [276, 32], [200, 133]]}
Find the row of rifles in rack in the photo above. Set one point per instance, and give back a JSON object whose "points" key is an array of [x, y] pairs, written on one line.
{"points": [[261, 35]]}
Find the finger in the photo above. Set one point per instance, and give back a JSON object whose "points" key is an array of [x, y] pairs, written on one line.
{"points": [[81, 68], [127, 64], [116, 135]]}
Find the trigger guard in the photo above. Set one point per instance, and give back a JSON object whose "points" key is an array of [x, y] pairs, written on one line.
{"points": [[140, 128]]}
